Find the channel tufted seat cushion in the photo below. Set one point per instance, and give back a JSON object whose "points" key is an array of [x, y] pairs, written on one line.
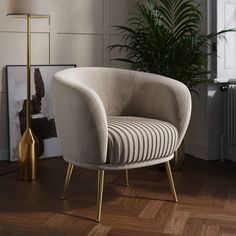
{"points": [[137, 139]]}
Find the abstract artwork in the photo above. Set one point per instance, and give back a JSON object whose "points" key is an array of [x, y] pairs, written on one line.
{"points": [[42, 119]]}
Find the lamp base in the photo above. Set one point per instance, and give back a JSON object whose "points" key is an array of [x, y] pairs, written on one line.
{"points": [[28, 156]]}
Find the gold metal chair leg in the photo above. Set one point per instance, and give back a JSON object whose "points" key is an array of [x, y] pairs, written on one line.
{"points": [[100, 194], [126, 178], [171, 181], [67, 181]]}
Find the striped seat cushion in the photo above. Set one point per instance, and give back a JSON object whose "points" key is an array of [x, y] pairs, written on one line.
{"points": [[135, 139]]}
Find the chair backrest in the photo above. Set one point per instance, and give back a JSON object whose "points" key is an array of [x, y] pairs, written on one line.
{"points": [[113, 86]]}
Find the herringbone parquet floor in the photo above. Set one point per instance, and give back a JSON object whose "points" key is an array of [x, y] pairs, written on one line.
{"points": [[206, 191]]}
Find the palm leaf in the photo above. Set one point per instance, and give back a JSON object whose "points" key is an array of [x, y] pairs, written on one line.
{"points": [[164, 38]]}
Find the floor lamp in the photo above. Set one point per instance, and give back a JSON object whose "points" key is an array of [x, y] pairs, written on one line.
{"points": [[28, 144]]}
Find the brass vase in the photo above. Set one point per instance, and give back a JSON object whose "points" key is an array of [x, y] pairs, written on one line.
{"points": [[28, 156]]}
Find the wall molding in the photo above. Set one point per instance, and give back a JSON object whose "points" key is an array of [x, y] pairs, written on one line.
{"points": [[197, 150], [204, 152], [4, 155]]}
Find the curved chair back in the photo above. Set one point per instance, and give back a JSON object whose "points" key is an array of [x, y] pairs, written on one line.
{"points": [[113, 86]]}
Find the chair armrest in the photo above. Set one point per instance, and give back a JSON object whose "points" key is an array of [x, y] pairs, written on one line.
{"points": [[80, 121], [162, 98]]}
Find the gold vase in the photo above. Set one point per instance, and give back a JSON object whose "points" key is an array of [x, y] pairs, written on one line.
{"points": [[28, 156]]}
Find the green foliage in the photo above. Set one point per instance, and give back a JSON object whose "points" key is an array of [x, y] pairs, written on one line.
{"points": [[164, 38]]}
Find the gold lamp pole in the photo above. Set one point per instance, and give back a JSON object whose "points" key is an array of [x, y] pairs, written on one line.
{"points": [[28, 144]]}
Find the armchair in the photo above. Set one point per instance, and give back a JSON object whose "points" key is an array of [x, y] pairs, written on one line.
{"points": [[115, 119]]}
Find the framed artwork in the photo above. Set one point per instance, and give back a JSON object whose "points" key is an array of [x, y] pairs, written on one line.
{"points": [[42, 119]]}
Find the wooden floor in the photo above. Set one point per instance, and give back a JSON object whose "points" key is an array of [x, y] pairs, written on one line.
{"points": [[206, 191]]}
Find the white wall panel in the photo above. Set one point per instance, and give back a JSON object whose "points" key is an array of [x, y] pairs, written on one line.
{"points": [[83, 50], [75, 13], [126, 8], [13, 50], [114, 39]]}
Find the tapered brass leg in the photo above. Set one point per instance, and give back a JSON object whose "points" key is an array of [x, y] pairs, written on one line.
{"points": [[100, 194], [126, 178], [67, 181], [171, 181]]}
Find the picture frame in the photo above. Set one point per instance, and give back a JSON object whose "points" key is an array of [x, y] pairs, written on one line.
{"points": [[42, 118]]}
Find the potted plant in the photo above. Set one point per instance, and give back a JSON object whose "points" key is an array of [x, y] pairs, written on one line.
{"points": [[164, 37]]}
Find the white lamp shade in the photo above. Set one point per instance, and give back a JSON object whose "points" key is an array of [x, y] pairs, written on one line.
{"points": [[36, 8]]}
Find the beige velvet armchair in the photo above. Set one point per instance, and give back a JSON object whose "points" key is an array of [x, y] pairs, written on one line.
{"points": [[114, 119]]}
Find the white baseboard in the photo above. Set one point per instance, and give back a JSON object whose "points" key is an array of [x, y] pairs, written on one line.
{"points": [[231, 153], [197, 150], [201, 151], [4, 155]]}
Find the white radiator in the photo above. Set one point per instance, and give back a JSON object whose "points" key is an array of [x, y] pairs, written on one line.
{"points": [[231, 114]]}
